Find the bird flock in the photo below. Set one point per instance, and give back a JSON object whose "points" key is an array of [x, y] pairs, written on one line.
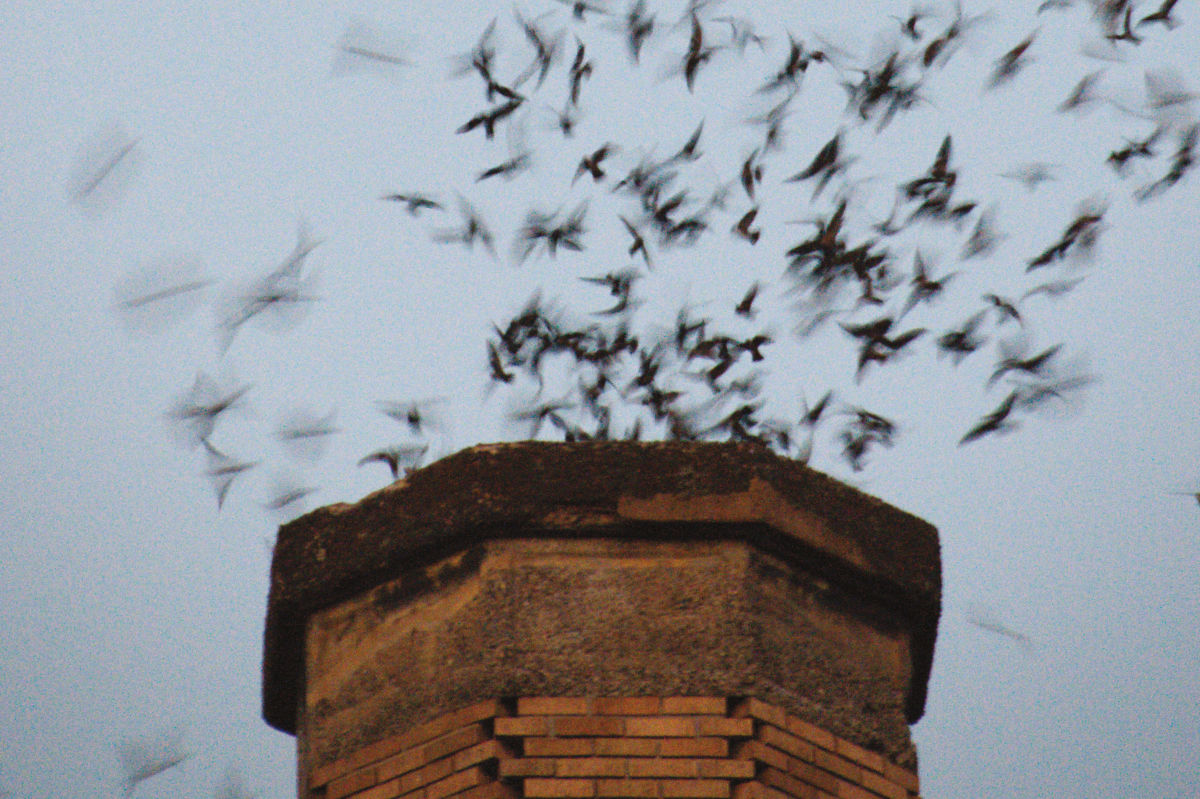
{"points": [[819, 248]]}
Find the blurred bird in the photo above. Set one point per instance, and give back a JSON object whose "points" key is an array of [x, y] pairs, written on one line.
{"points": [[1193, 494], [398, 457], [417, 415], [362, 44], [592, 163], [824, 165], [1162, 15], [1012, 62], [473, 229], [99, 171], [962, 340], [1013, 359], [506, 169], [152, 298], [638, 27], [304, 435], [223, 470], [198, 410], [1031, 175], [697, 54], [148, 757], [743, 229], [414, 203], [581, 69], [639, 243], [745, 306], [994, 422], [1082, 94]]}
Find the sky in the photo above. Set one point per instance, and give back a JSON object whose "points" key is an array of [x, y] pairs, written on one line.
{"points": [[166, 145]]}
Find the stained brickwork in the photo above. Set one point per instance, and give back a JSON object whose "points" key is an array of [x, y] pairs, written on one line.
{"points": [[600, 620], [645, 747]]}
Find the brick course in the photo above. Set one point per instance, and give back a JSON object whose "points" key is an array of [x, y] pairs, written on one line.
{"points": [[614, 748]]}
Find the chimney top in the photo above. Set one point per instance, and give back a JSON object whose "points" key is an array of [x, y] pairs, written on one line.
{"points": [[632, 490]]}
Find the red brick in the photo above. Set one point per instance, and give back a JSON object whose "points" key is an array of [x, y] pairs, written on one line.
{"points": [[551, 788], [756, 790], [553, 706], [661, 726], [589, 725], [654, 767], [528, 767], [522, 725], [636, 747], [758, 709], [542, 747], [757, 750], [811, 732], [748, 790], [631, 789], [455, 741], [693, 747], [487, 709], [847, 791], [628, 705], [871, 760], [459, 781], [694, 705], [490, 790], [814, 776], [730, 728], [488, 750], [693, 789], [727, 769], [387, 790], [451, 721], [406, 761], [591, 767], [379, 750], [902, 777], [788, 784], [779, 739], [365, 756], [838, 765], [422, 777], [883, 787], [355, 781]]}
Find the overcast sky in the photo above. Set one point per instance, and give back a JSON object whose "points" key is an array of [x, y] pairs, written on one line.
{"points": [[131, 608]]}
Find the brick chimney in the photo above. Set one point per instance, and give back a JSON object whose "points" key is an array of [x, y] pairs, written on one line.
{"points": [[608, 619]]}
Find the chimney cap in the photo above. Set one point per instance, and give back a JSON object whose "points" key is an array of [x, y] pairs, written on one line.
{"points": [[620, 489]]}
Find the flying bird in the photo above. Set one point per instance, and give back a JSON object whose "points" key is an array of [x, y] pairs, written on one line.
{"points": [[824, 166], [743, 229], [994, 422], [1012, 61], [142, 759], [223, 470], [414, 203], [415, 414], [399, 457]]}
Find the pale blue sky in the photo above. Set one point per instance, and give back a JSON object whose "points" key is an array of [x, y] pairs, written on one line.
{"points": [[129, 606]]}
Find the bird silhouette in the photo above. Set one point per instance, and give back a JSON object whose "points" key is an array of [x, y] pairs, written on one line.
{"points": [[398, 457], [414, 203], [994, 422]]}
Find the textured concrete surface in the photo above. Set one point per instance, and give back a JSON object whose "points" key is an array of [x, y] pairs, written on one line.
{"points": [[603, 617]]}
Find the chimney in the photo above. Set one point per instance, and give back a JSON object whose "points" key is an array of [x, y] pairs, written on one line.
{"points": [[604, 619]]}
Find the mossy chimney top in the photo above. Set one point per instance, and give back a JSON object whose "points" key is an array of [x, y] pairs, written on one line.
{"points": [[635, 490]]}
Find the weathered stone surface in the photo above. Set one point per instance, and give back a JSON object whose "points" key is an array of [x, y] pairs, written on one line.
{"points": [[611, 568]]}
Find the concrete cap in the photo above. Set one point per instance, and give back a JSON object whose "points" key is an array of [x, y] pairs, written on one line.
{"points": [[666, 491]]}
